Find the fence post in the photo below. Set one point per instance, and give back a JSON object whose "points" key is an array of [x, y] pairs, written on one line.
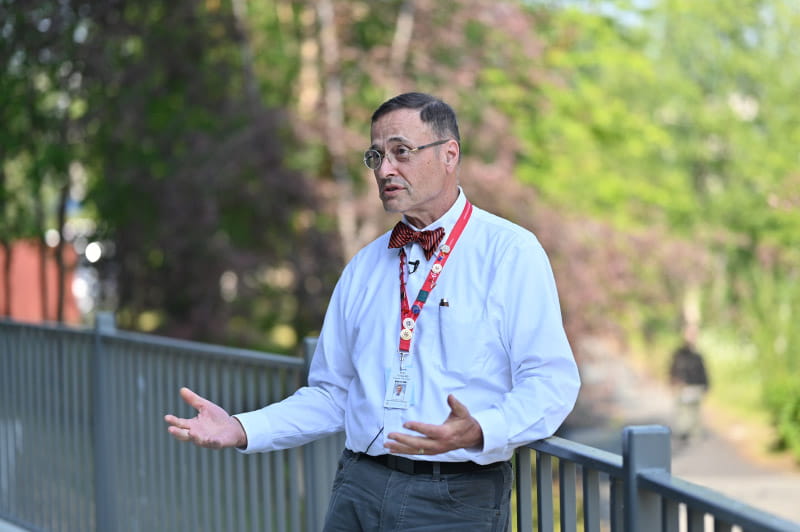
{"points": [[309, 345], [317, 493], [522, 464], [104, 508], [644, 447]]}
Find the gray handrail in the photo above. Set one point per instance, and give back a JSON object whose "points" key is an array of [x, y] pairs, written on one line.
{"points": [[644, 495], [706, 500], [587, 456]]}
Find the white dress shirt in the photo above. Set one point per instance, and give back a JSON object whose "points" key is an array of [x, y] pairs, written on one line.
{"points": [[499, 347]]}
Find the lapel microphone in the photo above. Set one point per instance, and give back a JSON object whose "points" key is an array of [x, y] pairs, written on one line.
{"points": [[413, 265]]}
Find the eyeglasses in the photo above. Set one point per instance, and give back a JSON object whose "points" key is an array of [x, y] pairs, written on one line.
{"points": [[399, 153]]}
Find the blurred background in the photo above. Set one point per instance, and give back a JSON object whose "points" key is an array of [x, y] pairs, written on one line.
{"points": [[195, 167]]}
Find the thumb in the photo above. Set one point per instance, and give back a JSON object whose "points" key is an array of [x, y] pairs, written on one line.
{"points": [[192, 399], [457, 407]]}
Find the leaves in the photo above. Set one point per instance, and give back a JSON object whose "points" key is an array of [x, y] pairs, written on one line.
{"points": [[651, 146]]}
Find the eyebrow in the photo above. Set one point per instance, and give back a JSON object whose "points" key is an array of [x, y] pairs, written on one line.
{"points": [[403, 140]]}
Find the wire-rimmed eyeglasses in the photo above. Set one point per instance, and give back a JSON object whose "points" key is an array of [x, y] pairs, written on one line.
{"points": [[399, 153]]}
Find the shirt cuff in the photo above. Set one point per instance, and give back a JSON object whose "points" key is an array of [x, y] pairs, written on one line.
{"points": [[494, 427], [257, 428]]}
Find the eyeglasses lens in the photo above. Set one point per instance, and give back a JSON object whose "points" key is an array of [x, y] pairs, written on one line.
{"points": [[372, 159]]}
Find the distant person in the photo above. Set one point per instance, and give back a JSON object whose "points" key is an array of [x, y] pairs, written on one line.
{"points": [[435, 375], [689, 378]]}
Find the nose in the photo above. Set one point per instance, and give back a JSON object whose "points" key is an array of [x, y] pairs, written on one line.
{"points": [[391, 169]]}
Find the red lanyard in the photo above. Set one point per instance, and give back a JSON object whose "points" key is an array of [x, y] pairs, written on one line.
{"points": [[409, 316]]}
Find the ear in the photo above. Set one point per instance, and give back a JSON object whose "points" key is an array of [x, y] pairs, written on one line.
{"points": [[452, 153]]}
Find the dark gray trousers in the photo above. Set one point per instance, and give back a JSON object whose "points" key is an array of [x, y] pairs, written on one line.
{"points": [[368, 496]]}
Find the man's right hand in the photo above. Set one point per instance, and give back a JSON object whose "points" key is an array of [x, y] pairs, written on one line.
{"points": [[212, 427]]}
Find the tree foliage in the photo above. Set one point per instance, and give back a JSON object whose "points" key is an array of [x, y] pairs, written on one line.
{"points": [[650, 145]]}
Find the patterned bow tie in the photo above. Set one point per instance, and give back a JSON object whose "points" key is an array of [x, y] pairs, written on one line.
{"points": [[429, 240]]}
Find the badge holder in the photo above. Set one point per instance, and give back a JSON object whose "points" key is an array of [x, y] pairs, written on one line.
{"points": [[398, 391]]}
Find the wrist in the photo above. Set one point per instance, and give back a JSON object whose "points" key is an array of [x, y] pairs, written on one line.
{"points": [[476, 435], [241, 440]]}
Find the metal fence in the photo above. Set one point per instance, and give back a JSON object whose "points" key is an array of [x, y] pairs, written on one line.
{"points": [[595, 490], [83, 444], [83, 447]]}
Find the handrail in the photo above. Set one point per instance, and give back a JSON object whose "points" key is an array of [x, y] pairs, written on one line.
{"points": [[644, 495], [213, 351], [706, 500], [597, 459], [183, 347]]}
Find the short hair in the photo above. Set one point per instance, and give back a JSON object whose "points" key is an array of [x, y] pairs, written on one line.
{"points": [[432, 111]]}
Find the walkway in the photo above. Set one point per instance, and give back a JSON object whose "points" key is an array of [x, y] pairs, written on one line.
{"points": [[619, 395]]}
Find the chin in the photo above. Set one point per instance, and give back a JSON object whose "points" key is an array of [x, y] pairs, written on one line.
{"points": [[390, 205]]}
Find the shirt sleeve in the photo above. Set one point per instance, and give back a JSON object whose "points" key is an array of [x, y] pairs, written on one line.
{"points": [[315, 410], [545, 379]]}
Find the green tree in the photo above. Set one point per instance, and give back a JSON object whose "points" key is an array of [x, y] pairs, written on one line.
{"points": [[40, 136]]}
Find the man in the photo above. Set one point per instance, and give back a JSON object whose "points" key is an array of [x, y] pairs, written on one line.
{"points": [[689, 378], [473, 339]]}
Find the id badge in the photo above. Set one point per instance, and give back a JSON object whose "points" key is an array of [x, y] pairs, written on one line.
{"points": [[399, 386], [397, 394]]}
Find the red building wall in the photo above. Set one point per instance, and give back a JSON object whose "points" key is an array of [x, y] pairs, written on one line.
{"points": [[26, 286]]}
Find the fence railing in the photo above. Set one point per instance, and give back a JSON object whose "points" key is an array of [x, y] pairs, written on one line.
{"points": [[634, 491], [83, 447], [83, 444]]}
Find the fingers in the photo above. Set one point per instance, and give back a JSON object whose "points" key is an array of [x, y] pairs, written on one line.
{"points": [[175, 421], [426, 429], [458, 412], [193, 400], [405, 444], [179, 428], [179, 433], [178, 422], [212, 427], [433, 440], [459, 430]]}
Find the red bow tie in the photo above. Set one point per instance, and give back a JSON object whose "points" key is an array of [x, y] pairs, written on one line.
{"points": [[429, 240]]}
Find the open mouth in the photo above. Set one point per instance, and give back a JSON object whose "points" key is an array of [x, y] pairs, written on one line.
{"points": [[390, 188]]}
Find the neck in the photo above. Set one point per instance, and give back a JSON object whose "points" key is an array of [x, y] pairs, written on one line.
{"points": [[421, 220]]}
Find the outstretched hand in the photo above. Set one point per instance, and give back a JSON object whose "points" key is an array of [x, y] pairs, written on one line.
{"points": [[459, 430], [212, 427]]}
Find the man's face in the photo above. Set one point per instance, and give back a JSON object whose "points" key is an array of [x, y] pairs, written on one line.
{"points": [[422, 185]]}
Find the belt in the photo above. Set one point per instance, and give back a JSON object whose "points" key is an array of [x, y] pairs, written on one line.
{"points": [[422, 467]]}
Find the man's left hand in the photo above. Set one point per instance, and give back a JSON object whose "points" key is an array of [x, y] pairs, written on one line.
{"points": [[459, 430]]}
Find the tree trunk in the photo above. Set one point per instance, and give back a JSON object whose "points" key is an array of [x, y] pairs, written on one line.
{"points": [[42, 256], [400, 42], [240, 14], [59, 254], [308, 79], [334, 128], [7, 277], [5, 242], [43, 278]]}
